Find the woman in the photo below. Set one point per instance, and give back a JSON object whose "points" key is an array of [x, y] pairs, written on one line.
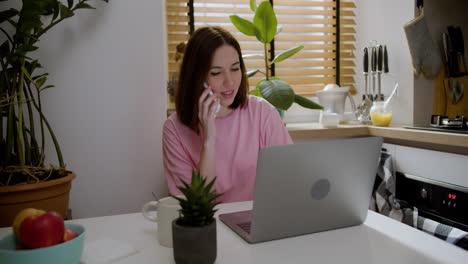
{"points": [[225, 143]]}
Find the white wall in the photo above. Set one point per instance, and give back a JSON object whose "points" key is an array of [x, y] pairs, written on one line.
{"points": [[383, 21], [109, 104]]}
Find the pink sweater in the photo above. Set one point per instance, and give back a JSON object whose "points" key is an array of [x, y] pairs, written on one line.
{"points": [[240, 135]]}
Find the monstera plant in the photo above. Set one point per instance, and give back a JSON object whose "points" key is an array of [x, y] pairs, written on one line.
{"points": [[264, 28], [23, 125]]}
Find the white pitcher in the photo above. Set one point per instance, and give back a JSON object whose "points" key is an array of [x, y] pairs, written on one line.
{"points": [[333, 97]]}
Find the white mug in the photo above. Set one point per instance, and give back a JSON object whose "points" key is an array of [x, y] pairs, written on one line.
{"points": [[167, 210]]}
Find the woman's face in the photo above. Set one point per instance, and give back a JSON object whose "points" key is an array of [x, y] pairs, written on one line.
{"points": [[225, 75]]}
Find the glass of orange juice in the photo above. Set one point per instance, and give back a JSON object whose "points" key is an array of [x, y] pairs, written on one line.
{"points": [[380, 115]]}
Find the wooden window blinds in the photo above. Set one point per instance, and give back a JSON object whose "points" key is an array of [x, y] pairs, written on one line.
{"points": [[311, 23]]}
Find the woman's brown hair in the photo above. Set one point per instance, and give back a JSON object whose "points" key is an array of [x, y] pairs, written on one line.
{"points": [[194, 70]]}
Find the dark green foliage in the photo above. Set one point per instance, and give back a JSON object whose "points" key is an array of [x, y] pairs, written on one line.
{"points": [[21, 143], [199, 201]]}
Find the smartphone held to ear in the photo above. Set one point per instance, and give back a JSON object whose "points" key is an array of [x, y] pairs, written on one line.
{"points": [[205, 85]]}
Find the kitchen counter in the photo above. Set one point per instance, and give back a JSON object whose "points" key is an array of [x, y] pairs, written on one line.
{"points": [[379, 240], [442, 141]]}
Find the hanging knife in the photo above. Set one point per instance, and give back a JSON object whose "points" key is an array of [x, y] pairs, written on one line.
{"points": [[373, 70], [366, 72], [385, 59], [379, 72]]}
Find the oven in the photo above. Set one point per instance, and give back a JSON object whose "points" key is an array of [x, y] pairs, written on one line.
{"points": [[436, 183], [440, 201]]}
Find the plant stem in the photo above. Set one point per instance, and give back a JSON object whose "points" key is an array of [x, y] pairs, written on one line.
{"points": [[34, 149], [52, 135], [41, 122], [10, 133], [20, 117], [266, 61]]}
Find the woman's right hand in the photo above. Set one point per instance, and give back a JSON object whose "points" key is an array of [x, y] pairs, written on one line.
{"points": [[206, 114]]}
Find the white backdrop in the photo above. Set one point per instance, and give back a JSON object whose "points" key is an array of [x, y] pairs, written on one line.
{"points": [[109, 103]]}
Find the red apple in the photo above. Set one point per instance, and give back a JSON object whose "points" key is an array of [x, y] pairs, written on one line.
{"points": [[22, 215], [69, 234], [45, 230]]}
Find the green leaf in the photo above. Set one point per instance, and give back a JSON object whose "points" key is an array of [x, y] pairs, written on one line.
{"points": [[278, 93], [7, 14], [286, 54], [252, 73], [256, 92], [46, 87], [265, 22], [243, 25], [56, 10], [304, 102], [253, 5], [40, 82], [65, 12], [83, 5], [70, 3]]}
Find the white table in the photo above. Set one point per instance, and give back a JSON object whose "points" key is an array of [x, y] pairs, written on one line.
{"points": [[378, 240]]}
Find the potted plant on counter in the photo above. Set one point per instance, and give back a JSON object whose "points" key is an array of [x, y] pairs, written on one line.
{"points": [[264, 28], [25, 180], [194, 232]]}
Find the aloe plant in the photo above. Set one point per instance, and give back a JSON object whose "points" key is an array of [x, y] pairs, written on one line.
{"points": [[22, 144], [264, 28], [199, 201]]}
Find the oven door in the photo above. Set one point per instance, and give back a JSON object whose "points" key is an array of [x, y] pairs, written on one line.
{"points": [[434, 182], [442, 202]]}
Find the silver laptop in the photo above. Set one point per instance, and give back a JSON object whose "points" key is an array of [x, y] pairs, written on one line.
{"points": [[309, 187]]}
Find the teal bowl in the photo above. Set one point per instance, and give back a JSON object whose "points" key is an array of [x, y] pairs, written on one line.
{"points": [[68, 252]]}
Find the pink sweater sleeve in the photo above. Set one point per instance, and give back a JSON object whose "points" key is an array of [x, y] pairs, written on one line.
{"points": [[274, 131], [177, 165]]}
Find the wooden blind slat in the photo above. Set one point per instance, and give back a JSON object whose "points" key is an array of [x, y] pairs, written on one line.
{"points": [[315, 55], [287, 64], [305, 80], [278, 11], [178, 9], [178, 28], [281, 20], [285, 46], [302, 72], [307, 38], [177, 19], [331, 4], [302, 63], [299, 29]]}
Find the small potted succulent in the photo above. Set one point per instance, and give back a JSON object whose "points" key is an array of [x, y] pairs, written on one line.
{"points": [[194, 232]]}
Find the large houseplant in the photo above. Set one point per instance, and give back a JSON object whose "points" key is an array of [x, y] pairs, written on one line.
{"points": [[194, 232], [23, 125], [264, 28]]}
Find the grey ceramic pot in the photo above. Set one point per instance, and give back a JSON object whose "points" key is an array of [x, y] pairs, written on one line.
{"points": [[194, 245]]}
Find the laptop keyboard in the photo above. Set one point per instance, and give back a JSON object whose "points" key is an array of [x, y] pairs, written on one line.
{"points": [[245, 226]]}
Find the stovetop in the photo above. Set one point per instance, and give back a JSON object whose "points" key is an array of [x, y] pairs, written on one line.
{"points": [[443, 123]]}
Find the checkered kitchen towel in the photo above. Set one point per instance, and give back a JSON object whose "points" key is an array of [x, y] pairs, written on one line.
{"points": [[383, 201]]}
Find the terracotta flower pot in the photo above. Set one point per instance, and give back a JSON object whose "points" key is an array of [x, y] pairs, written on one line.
{"points": [[195, 245], [49, 196]]}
